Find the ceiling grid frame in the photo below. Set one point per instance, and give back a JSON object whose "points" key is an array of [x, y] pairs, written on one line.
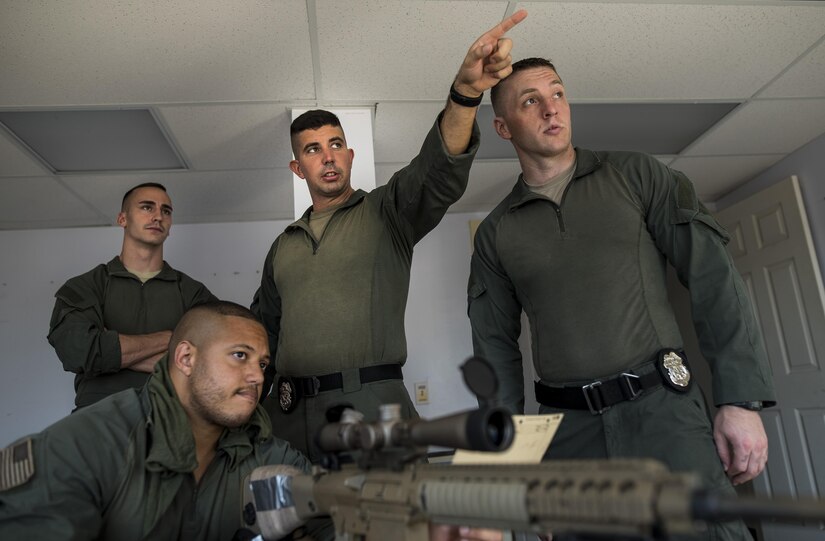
{"points": [[230, 123]]}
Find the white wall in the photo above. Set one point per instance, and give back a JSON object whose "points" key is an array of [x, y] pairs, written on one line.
{"points": [[35, 391]]}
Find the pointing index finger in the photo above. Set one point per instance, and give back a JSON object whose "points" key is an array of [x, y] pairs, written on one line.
{"points": [[504, 26]]}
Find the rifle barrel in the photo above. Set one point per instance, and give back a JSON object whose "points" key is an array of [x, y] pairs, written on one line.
{"points": [[709, 506]]}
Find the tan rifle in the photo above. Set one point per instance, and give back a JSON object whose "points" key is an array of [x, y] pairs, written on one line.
{"points": [[390, 494]]}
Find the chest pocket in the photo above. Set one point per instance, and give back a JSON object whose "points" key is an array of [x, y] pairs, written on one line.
{"points": [[135, 308]]}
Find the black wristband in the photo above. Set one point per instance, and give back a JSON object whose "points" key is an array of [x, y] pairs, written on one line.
{"points": [[463, 100], [754, 405]]}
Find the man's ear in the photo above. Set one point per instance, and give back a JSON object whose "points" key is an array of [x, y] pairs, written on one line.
{"points": [[121, 219], [501, 128], [185, 357], [295, 167]]}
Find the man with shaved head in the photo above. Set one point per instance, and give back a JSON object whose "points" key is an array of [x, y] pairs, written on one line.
{"points": [[111, 325], [166, 462]]}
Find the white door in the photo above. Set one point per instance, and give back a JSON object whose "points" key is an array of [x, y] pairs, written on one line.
{"points": [[771, 246]]}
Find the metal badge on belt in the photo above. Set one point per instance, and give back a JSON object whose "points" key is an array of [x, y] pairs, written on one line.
{"points": [[287, 394], [674, 369]]}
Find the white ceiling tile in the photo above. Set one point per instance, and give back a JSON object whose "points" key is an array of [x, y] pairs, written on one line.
{"points": [[397, 50], [384, 171], [15, 162], [477, 196], [714, 176], [666, 51], [238, 136], [665, 159], [400, 129], [805, 79], [223, 76], [42, 202], [234, 196], [764, 126], [199, 196], [122, 51], [490, 181]]}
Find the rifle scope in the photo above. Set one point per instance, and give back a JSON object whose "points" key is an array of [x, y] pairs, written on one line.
{"points": [[484, 429]]}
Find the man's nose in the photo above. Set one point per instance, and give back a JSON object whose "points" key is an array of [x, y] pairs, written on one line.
{"points": [[255, 375]]}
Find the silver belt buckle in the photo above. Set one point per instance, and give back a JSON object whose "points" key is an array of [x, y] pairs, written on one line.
{"points": [[592, 387]]}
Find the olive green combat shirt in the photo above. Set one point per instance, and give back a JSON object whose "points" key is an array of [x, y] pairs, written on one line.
{"points": [[590, 274], [337, 302], [121, 469], [90, 311]]}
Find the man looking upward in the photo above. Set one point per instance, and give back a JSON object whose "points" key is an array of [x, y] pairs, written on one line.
{"points": [[581, 245]]}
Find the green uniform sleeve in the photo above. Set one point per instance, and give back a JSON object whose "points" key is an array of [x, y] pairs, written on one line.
{"points": [[62, 500], [76, 329], [695, 244], [495, 318], [422, 191], [266, 305]]}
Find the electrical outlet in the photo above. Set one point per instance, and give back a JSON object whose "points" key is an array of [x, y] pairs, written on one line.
{"points": [[422, 393]]}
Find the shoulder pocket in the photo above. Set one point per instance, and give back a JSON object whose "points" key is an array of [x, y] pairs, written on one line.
{"points": [[687, 208], [476, 289], [74, 299]]}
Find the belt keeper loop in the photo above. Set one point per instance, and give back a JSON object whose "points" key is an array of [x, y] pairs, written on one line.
{"points": [[315, 386], [627, 386]]}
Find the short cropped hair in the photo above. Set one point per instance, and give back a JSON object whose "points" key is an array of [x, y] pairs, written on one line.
{"points": [[144, 185], [197, 319], [521, 65], [312, 120]]}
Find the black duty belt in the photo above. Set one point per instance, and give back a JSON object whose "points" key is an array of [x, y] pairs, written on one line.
{"points": [[292, 389], [312, 385], [669, 368]]}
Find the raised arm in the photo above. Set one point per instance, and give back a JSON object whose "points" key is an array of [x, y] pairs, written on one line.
{"points": [[487, 62]]}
